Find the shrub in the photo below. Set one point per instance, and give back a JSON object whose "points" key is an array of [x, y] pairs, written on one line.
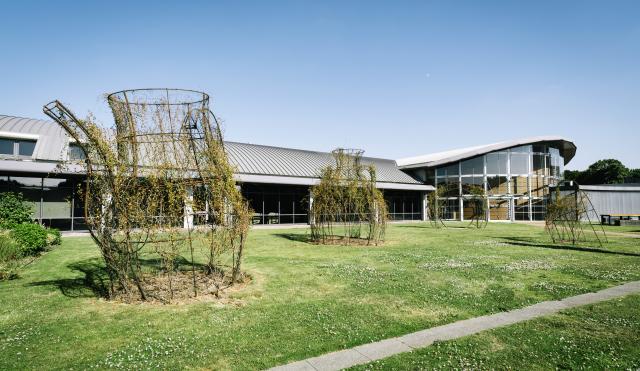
{"points": [[53, 237], [13, 210], [10, 253], [9, 249], [31, 237]]}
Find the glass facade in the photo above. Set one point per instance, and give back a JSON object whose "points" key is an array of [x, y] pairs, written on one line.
{"points": [[276, 203], [55, 201], [403, 205], [515, 180], [288, 204]]}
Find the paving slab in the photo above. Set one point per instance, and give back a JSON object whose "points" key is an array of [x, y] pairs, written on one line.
{"points": [[381, 349], [338, 360], [295, 366]]}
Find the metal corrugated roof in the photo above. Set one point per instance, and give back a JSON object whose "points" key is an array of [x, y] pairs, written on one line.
{"points": [[252, 159], [268, 160], [628, 187], [567, 148], [51, 137]]}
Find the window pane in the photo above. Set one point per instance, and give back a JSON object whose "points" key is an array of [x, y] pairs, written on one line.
{"points": [[497, 185], [61, 224], [499, 209], [430, 176], [555, 165], [25, 148], [31, 189], [76, 153], [6, 147], [521, 209], [540, 148], [472, 185], [448, 187], [497, 163], [450, 209], [474, 166], [539, 165], [519, 163], [525, 149], [450, 170], [56, 197], [538, 188], [271, 208], [538, 209], [519, 185], [286, 204], [302, 205], [473, 209]]}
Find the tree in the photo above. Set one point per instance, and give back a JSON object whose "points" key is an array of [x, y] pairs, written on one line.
{"points": [[572, 174], [633, 177], [607, 171]]}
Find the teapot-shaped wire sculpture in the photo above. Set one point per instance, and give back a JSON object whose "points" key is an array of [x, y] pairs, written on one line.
{"points": [[160, 199]]}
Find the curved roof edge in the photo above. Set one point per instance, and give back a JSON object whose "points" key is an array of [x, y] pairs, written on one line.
{"points": [[567, 148]]}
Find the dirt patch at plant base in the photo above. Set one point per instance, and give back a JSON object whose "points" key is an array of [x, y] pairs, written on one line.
{"points": [[179, 289], [344, 241]]}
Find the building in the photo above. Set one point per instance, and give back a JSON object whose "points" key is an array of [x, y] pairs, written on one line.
{"points": [[515, 175], [619, 201], [276, 181]]}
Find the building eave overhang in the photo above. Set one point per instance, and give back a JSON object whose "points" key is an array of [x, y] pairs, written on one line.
{"points": [[40, 167], [566, 147], [33, 167], [307, 181]]}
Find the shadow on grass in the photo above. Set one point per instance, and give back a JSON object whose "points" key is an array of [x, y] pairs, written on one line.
{"points": [[436, 228], [94, 283], [95, 280], [297, 237], [519, 241]]}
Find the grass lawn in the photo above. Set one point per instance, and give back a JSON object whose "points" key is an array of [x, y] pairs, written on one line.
{"points": [[304, 300], [621, 228], [603, 336]]}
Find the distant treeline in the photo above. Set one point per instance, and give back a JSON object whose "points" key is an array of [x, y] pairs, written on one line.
{"points": [[608, 171]]}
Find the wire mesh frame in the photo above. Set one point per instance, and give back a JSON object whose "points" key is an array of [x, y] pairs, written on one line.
{"points": [[182, 116], [567, 223]]}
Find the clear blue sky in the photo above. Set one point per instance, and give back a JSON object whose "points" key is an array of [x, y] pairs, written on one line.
{"points": [[394, 78]]}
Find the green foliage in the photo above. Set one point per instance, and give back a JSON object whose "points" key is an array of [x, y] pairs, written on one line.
{"points": [[53, 237], [572, 174], [10, 253], [13, 210], [147, 184], [9, 249], [634, 176], [31, 237], [346, 200], [608, 171]]}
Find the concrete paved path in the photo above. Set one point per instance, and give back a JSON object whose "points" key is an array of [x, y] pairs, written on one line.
{"points": [[381, 349]]}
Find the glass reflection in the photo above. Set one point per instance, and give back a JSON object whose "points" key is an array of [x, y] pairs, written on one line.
{"points": [[497, 163], [474, 166]]}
